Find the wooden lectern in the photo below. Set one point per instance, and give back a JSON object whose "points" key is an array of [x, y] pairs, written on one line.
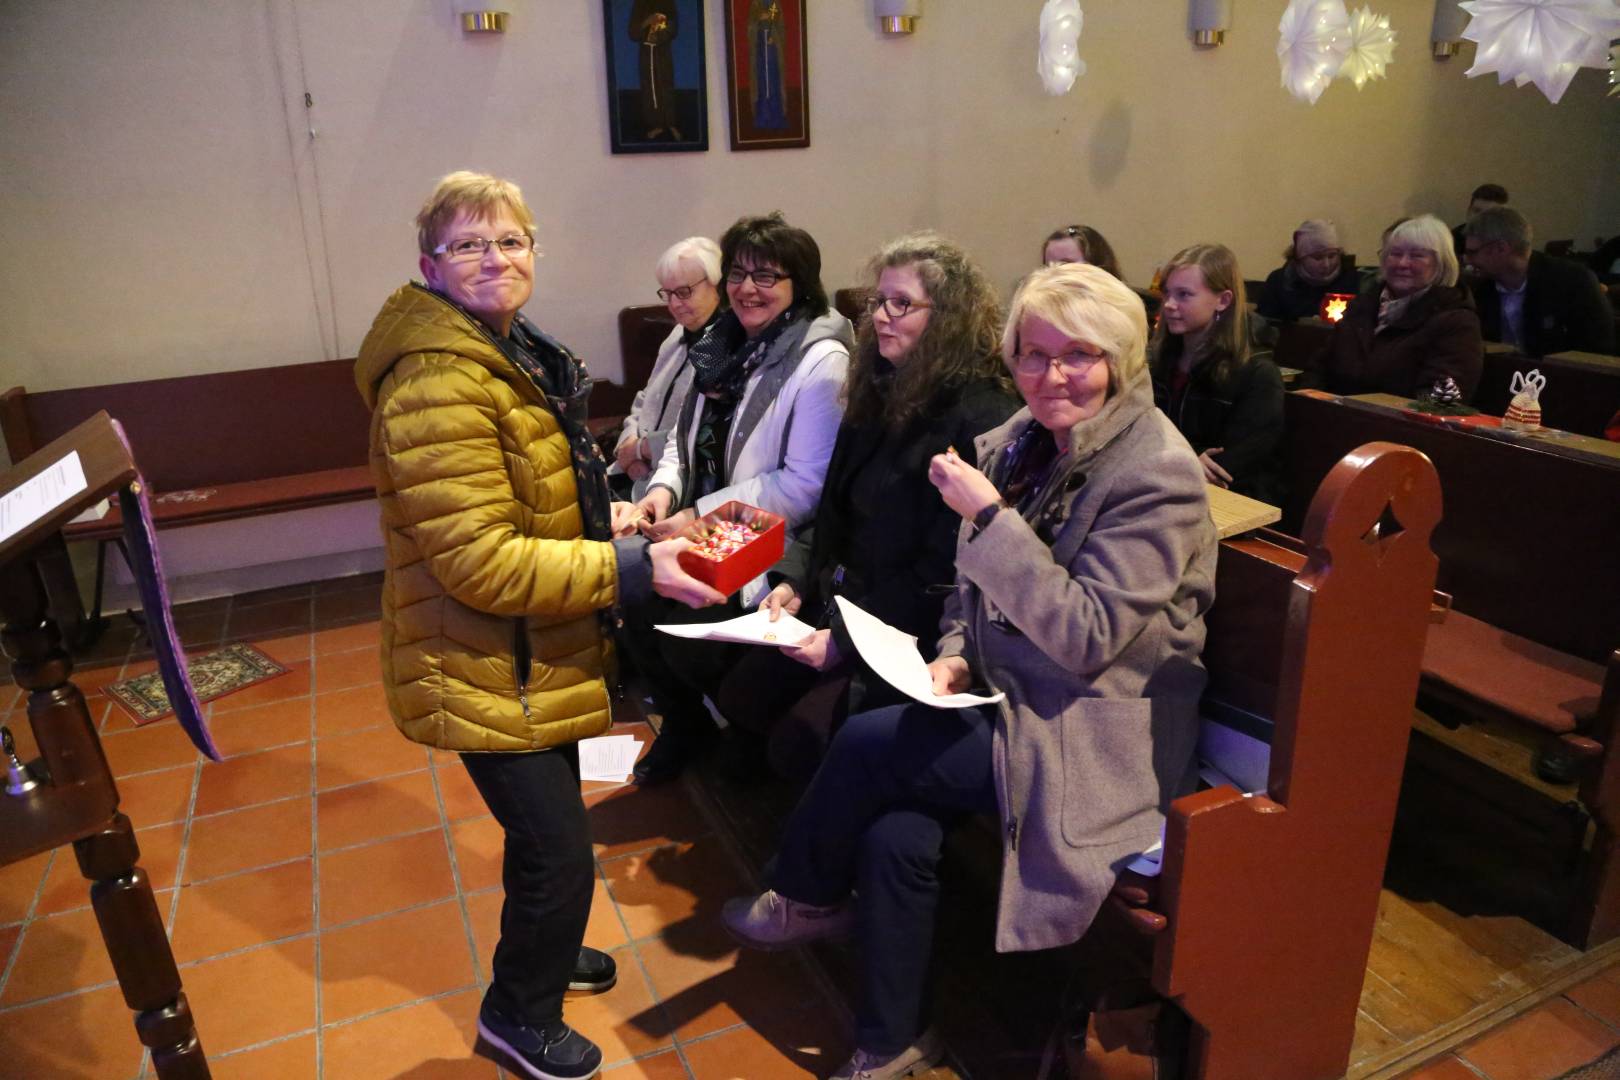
{"points": [[76, 800]]}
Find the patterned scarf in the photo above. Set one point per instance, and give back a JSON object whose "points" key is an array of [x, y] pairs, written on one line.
{"points": [[725, 355], [561, 377], [1390, 308]]}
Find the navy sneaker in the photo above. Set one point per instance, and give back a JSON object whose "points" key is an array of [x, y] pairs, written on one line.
{"points": [[594, 971], [553, 1052]]}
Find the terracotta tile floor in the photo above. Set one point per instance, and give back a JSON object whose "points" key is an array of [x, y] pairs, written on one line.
{"points": [[339, 898], [340, 892]]}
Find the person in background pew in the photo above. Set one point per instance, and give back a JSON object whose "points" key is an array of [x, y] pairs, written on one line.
{"points": [[1480, 199], [501, 563], [1313, 266], [1416, 327], [758, 426], [1080, 244], [1085, 564], [689, 284], [1227, 401], [1532, 301], [926, 375]]}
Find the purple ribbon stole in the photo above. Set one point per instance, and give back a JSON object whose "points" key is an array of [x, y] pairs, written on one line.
{"points": [[140, 536]]}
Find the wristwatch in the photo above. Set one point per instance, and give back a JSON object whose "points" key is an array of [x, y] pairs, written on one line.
{"points": [[981, 520]]}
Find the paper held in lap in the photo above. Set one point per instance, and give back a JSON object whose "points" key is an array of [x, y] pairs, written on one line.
{"points": [[893, 655], [755, 628]]}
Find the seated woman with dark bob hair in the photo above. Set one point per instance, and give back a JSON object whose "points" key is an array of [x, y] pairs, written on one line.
{"points": [[926, 375], [757, 426], [1085, 564], [1416, 329]]}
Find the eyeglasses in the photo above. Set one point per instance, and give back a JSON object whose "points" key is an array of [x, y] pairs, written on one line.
{"points": [[468, 248], [681, 292], [1409, 254], [1033, 362], [895, 307], [764, 279]]}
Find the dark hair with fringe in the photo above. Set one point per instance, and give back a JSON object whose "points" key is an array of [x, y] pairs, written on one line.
{"points": [[961, 343], [1230, 332], [1092, 244], [768, 238]]}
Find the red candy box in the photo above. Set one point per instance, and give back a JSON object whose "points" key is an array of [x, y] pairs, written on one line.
{"points": [[732, 545]]}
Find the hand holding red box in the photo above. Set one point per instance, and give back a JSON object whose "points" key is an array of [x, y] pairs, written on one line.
{"points": [[732, 545]]}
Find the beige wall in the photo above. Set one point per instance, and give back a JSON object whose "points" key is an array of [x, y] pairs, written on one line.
{"points": [[164, 210]]}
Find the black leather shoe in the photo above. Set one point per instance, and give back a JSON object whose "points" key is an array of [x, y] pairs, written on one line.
{"points": [[553, 1052], [594, 971], [667, 758]]}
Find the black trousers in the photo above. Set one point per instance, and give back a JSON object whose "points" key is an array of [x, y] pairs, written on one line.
{"points": [[678, 672], [549, 873], [874, 820]]}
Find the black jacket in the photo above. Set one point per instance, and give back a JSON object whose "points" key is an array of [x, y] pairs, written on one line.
{"points": [[1564, 308], [883, 524], [1287, 297], [1242, 414], [1436, 337]]}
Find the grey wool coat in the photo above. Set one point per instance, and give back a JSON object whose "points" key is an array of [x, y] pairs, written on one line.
{"points": [[1095, 641]]}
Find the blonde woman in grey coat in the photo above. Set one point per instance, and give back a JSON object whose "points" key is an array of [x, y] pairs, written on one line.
{"points": [[1085, 565]]}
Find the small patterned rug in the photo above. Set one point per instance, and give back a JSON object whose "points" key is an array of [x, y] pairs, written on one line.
{"points": [[1606, 1067], [213, 674]]}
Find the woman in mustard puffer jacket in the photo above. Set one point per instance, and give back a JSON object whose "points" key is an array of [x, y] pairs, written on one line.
{"points": [[502, 575]]}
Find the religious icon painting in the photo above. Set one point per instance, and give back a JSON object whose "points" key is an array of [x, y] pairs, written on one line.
{"points": [[657, 76], [767, 74]]}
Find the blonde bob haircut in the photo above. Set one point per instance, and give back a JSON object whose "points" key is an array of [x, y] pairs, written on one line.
{"points": [[1428, 231], [479, 195], [700, 251], [1085, 303]]}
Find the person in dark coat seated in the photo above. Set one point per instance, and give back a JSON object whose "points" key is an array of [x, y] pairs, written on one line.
{"points": [[1483, 198], [1313, 266], [927, 375], [1530, 300], [1227, 401], [1414, 329]]}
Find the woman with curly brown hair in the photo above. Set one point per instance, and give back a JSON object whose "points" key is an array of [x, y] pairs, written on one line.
{"points": [[925, 377]]}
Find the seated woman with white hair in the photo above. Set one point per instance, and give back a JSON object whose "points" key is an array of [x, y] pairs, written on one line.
{"points": [[1313, 266], [689, 285], [1413, 331], [1084, 567]]}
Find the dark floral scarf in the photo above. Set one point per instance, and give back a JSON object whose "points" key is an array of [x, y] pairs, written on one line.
{"points": [[725, 355]]}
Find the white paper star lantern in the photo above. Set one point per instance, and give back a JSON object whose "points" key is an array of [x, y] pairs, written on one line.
{"points": [[1314, 38], [1058, 62], [1540, 41], [1372, 47]]}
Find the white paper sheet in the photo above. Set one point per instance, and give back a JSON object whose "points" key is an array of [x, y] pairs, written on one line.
{"points": [[610, 758], [34, 499], [755, 628], [893, 655]]}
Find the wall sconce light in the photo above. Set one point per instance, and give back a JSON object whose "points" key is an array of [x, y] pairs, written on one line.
{"points": [[476, 18], [897, 16], [1208, 21], [1449, 22]]}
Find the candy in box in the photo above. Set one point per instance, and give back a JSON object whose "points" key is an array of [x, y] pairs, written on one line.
{"points": [[732, 545]]}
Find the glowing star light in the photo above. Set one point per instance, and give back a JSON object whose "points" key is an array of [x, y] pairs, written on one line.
{"points": [[1372, 47], [1540, 41], [1314, 39], [1058, 62]]}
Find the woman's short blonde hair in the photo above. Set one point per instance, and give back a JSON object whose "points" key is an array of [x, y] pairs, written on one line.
{"points": [[1088, 304], [700, 251], [480, 195], [1428, 231]]}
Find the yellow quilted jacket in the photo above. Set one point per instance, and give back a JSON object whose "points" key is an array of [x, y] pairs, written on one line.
{"points": [[484, 541]]}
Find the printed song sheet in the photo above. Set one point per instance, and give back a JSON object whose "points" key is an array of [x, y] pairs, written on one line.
{"points": [[755, 628], [33, 499], [893, 655]]}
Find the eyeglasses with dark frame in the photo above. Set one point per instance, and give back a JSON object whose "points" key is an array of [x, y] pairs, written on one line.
{"points": [[764, 279], [468, 248], [1033, 362], [680, 292], [895, 307]]}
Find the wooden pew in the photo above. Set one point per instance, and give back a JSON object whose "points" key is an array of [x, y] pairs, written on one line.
{"points": [[1259, 925], [642, 329], [1583, 389], [1526, 551]]}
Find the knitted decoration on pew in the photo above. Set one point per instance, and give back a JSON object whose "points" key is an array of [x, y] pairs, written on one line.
{"points": [[1442, 399], [1524, 411]]}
